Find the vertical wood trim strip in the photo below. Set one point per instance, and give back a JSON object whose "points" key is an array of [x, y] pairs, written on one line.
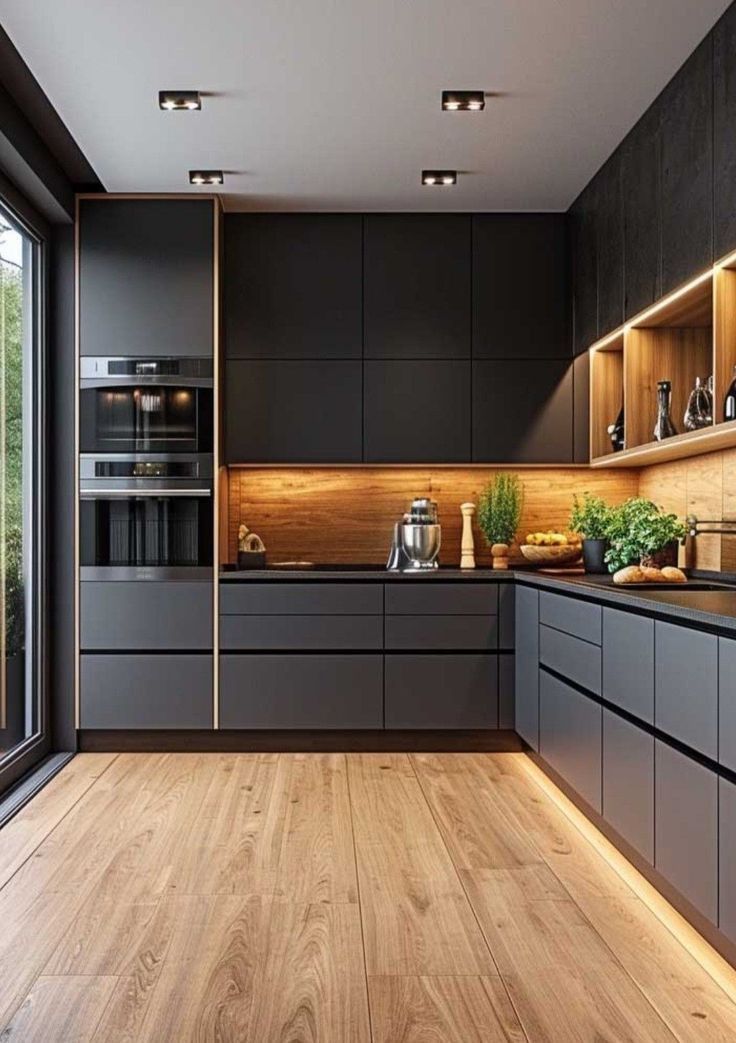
{"points": [[77, 299], [217, 219]]}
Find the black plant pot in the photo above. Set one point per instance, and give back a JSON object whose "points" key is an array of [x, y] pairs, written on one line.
{"points": [[593, 555]]}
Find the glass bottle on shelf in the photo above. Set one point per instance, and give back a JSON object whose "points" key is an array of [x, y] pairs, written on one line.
{"points": [[664, 428], [698, 413], [729, 405], [616, 432], [709, 393]]}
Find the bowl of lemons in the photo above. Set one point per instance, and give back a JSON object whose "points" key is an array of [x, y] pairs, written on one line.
{"points": [[549, 549]]}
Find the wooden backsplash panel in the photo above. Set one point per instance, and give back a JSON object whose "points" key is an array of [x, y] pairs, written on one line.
{"points": [[704, 486], [337, 516]]}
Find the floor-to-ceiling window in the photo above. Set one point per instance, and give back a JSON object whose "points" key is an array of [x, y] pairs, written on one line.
{"points": [[22, 713]]}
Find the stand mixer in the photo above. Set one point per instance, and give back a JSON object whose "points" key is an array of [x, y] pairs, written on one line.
{"points": [[416, 539]]}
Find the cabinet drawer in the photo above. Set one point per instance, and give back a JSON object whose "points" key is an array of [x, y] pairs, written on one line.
{"points": [[301, 599], [628, 782], [628, 662], [146, 691], [145, 615], [727, 703], [579, 618], [570, 736], [301, 633], [462, 633], [301, 691], [575, 659], [441, 691], [686, 686], [432, 598], [686, 828]]}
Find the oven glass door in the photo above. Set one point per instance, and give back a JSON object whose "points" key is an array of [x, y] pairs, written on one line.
{"points": [[146, 532], [146, 419]]}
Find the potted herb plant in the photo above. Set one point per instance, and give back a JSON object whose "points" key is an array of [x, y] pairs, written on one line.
{"points": [[591, 519], [499, 512], [642, 533]]}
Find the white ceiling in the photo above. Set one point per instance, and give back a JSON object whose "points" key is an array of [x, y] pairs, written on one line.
{"points": [[335, 104]]}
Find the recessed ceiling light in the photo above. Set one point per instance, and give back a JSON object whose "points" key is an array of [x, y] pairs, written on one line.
{"points": [[206, 177], [463, 101], [179, 101], [439, 177]]}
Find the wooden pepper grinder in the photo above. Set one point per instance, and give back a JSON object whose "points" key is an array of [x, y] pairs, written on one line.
{"points": [[467, 544]]}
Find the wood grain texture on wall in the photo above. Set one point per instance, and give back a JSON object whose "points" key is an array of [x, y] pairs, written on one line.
{"points": [[338, 516], [704, 486]]}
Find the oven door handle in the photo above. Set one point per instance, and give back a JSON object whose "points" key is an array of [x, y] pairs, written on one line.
{"points": [[131, 494], [144, 380]]}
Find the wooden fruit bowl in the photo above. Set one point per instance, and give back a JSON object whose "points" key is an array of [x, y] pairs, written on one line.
{"points": [[550, 556]]}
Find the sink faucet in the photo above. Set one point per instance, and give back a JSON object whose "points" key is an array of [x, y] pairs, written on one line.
{"points": [[696, 527]]}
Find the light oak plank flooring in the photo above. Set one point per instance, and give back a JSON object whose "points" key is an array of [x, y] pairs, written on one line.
{"points": [[328, 898]]}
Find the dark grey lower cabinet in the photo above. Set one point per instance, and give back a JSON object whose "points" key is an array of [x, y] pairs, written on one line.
{"points": [[727, 702], [122, 616], [146, 691], [628, 782], [628, 662], [527, 665], [300, 633], [686, 827], [442, 633], [441, 691], [727, 859], [301, 691], [686, 686], [570, 736], [506, 693]]}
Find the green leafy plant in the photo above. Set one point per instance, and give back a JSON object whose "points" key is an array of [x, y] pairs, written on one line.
{"points": [[591, 517], [499, 508], [639, 528]]}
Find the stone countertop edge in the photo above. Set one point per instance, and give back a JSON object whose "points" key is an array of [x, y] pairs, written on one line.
{"points": [[648, 604]]}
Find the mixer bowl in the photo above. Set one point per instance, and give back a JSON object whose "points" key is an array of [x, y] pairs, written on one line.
{"points": [[421, 544]]}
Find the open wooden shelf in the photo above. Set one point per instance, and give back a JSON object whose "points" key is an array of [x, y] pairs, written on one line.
{"points": [[690, 333]]}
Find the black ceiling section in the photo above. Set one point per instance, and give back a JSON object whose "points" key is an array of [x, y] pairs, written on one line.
{"points": [[37, 152]]}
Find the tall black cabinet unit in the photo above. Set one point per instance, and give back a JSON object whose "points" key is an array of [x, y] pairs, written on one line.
{"points": [[148, 309], [293, 338]]}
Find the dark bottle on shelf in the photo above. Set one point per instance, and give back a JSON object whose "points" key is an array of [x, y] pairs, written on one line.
{"points": [[729, 406], [664, 428]]}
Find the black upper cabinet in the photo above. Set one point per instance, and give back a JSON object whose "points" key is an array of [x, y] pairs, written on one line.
{"points": [[417, 412], [522, 413], [584, 269], [642, 210], [687, 169], [293, 286], [417, 286], [293, 412], [610, 246], [146, 277], [520, 286], [724, 132]]}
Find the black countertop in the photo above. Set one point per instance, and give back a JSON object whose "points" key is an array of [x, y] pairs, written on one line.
{"points": [[709, 609]]}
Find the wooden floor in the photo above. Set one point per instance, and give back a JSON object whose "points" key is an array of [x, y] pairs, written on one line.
{"points": [[439, 898]]}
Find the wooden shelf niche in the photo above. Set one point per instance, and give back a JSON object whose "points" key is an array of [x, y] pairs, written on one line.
{"points": [[678, 340], [606, 392]]}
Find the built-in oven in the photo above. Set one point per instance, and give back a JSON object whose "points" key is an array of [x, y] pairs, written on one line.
{"points": [[152, 405], [148, 533]]}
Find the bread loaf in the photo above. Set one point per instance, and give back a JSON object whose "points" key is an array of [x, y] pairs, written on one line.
{"points": [[673, 575], [652, 575], [631, 574]]}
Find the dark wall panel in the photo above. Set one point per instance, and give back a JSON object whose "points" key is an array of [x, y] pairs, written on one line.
{"points": [[724, 133], [687, 169], [642, 210], [584, 247], [610, 246]]}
